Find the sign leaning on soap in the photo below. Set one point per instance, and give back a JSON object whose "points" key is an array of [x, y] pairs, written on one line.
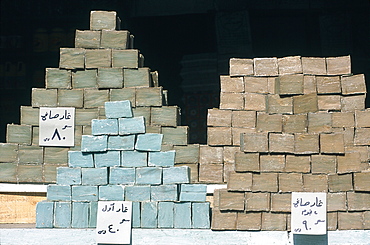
{"points": [[308, 213], [114, 222], [56, 126]]}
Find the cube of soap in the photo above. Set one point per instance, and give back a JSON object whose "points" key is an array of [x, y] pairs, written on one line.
{"points": [[241, 67], [202, 188], [134, 125], [94, 176], [192, 196], [290, 65], [57, 78], [87, 39], [92, 143], [136, 214], [72, 58], [104, 126], [149, 214], [124, 143], [122, 176], [165, 214], [137, 193], [20, 134], [107, 159], [110, 78], [62, 214], [134, 159], [103, 20], [353, 84], [84, 193], [149, 142], [148, 176], [84, 79], [117, 109], [44, 214], [200, 215], [176, 175], [163, 193], [162, 159], [111, 193], [125, 58], [80, 159], [182, 215], [59, 193], [115, 40], [137, 77], [265, 66], [68, 176], [80, 214]]}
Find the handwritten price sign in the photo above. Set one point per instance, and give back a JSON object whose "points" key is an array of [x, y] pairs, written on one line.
{"points": [[57, 126], [114, 222], [308, 213]]}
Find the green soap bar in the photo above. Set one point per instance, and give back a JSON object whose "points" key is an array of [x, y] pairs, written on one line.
{"points": [[98, 58], [128, 58], [70, 97], [30, 154], [84, 117], [175, 136], [72, 58], [21, 134], [95, 98], [85, 79], [149, 96], [123, 94], [110, 78], [103, 20], [8, 172], [30, 173], [115, 39], [56, 155], [165, 116], [57, 78], [29, 115], [137, 77], [8, 152], [44, 97], [87, 39]]}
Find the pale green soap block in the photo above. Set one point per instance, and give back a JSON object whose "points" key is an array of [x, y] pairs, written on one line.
{"points": [[30, 173], [95, 98], [21, 134], [84, 117], [8, 172], [175, 136], [44, 97], [187, 153], [95, 58], [165, 116], [57, 78], [85, 79], [103, 20], [29, 115], [30, 154], [56, 155], [72, 58], [137, 77], [128, 58], [115, 39], [35, 135], [110, 78], [123, 94], [87, 39], [8, 152], [150, 96], [70, 97]]}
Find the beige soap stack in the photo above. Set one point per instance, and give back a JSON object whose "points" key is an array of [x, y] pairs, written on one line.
{"points": [[292, 124], [103, 66]]}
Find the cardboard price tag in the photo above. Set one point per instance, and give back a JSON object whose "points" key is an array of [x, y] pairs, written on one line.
{"points": [[114, 222]]}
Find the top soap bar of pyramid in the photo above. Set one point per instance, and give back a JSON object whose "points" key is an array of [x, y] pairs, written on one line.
{"points": [[103, 20]]}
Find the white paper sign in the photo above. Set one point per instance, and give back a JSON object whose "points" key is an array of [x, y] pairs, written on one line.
{"points": [[56, 126], [308, 213], [114, 222]]}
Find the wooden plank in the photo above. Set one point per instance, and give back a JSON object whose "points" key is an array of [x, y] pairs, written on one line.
{"points": [[19, 208]]}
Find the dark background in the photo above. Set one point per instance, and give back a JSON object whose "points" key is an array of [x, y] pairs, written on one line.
{"points": [[188, 42]]}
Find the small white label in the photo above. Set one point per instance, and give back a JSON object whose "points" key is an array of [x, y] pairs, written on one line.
{"points": [[56, 126], [308, 213], [114, 222]]}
